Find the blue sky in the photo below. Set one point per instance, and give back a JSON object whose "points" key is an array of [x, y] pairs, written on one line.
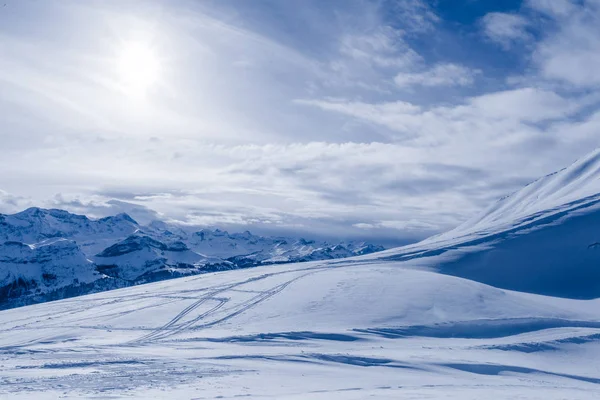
{"points": [[380, 118]]}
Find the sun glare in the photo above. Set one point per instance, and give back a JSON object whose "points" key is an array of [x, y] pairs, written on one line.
{"points": [[138, 67]]}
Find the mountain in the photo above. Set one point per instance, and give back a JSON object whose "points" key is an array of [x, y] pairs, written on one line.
{"points": [[50, 254], [507, 305], [543, 239], [139, 258], [36, 224], [270, 250], [29, 271], [504, 306]]}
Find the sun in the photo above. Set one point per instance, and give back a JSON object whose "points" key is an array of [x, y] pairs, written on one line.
{"points": [[138, 67]]}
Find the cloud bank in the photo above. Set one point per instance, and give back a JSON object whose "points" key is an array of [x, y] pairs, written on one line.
{"points": [[340, 118]]}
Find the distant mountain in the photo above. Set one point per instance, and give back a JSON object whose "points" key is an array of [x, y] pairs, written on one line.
{"points": [[35, 270], [142, 258], [270, 250], [92, 235], [50, 254]]}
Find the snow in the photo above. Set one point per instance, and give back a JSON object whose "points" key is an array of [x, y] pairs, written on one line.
{"points": [[566, 189], [542, 239], [505, 306], [50, 264], [323, 330]]}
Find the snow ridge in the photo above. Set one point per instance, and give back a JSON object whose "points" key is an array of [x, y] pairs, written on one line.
{"points": [[542, 239]]}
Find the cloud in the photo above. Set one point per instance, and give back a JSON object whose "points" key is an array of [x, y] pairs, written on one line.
{"points": [[407, 226], [438, 75], [300, 186], [499, 114], [385, 47], [416, 16], [523, 104], [393, 115], [559, 8], [505, 29], [99, 206], [570, 52], [10, 203], [344, 118]]}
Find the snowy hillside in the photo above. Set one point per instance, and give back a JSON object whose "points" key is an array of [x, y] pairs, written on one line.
{"points": [[430, 320], [324, 330], [50, 254], [577, 185], [543, 239]]}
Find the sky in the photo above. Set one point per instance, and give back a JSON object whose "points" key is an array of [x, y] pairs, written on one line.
{"points": [[383, 119]]}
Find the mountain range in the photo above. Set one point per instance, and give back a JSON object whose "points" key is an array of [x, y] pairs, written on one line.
{"points": [[46, 254]]}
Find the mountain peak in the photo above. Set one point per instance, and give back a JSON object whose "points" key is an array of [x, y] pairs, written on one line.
{"points": [[120, 217], [132, 243]]}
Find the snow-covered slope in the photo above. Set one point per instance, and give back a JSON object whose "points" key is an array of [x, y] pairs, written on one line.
{"points": [[325, 330], [542, 239], [389, 325], [579, 184]]}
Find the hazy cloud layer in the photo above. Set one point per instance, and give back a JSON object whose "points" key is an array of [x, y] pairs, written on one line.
{"points": [[356, 118]]}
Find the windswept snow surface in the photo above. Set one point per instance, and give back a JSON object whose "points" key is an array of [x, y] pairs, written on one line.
{"points": [[321, 330]]}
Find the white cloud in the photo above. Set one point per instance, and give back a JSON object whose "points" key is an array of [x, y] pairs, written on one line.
{"points": [[99, 206], [301, 184], [10, 203], [505, 29], [553, 7], [524, 104], [224, 142], [438, 75], [453, 161], [415, 15], [392, 115], [570, 52], [501, 114], [385, 47]]}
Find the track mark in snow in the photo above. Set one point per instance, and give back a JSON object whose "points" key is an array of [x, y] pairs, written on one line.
{"points": [[165, 329], [171, 328]]}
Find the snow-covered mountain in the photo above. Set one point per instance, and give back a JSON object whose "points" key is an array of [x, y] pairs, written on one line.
{"points": [[543, 239], [437, 319], [142, 258], [92, 235], [48, 254], [44, 267], [261, 249]]}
